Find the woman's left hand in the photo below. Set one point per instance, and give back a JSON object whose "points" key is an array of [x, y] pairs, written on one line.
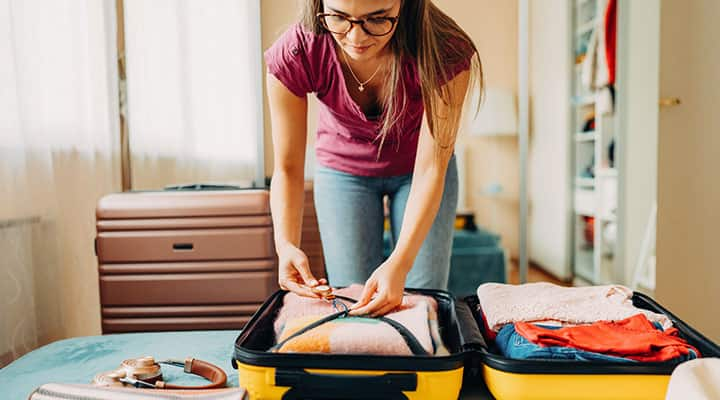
{"points": [[387, 284]]}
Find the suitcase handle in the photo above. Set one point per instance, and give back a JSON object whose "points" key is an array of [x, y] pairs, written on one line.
{"points": [[305, 385], [470, 336]]}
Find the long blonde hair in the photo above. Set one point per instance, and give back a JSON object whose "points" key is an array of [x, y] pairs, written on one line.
{"points": [[421, 31]]}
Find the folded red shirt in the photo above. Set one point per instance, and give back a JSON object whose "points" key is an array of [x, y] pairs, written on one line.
{"points": [[635, 338]]}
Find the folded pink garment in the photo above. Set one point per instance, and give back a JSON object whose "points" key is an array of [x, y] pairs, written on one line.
{"points": [[351, 335], [545, 302]]}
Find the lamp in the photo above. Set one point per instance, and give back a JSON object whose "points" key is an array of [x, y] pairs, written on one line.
{"points": [[497, 117]]}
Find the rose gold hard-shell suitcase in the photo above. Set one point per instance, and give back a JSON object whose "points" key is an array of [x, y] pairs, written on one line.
{"points": [[181, 260]]}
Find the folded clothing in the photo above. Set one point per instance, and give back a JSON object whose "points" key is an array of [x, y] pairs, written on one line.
{"points": [[357, 335], [513, 345], [548, 303], [634, 338]]}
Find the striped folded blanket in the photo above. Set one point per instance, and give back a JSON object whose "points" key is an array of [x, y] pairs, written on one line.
{"points": [[417, 315]]}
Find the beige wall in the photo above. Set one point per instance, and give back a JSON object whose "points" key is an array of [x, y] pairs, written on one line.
{"points": [[493, 26]]}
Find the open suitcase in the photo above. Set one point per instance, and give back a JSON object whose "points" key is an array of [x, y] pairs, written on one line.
{"points": [[509, 379], [268, 375]]}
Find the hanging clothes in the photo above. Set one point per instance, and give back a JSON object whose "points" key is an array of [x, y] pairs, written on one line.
{"points": [[611, 39], [598, 70]]}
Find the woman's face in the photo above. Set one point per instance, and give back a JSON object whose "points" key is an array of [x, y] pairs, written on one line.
{"points": [[357, 43]]}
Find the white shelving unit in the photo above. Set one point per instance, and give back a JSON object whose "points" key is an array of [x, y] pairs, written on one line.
{"points": [[595, 186]]}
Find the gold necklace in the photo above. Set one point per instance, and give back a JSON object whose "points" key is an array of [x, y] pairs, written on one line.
{"points": [[361, 86]]}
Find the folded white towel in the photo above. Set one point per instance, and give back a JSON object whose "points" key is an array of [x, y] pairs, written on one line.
{"points": [[697, 379], [542, 301]]}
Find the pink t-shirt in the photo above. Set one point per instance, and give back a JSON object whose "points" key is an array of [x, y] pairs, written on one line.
{"points": [[347, 140]]}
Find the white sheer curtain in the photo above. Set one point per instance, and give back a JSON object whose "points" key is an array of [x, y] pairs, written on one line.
{"points": [[58, 155], [195, 98], [194, 92]]}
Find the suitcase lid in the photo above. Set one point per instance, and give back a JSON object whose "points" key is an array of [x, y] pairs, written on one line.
{"points": [[169, 204]]}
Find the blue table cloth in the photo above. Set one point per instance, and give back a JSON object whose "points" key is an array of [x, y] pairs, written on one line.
{"points": [[78, 360]]}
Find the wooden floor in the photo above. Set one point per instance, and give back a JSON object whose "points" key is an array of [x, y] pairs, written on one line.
{"points": [[535, 274]]}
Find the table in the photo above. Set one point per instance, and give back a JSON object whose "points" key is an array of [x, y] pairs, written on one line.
{"points": [[78, 360]]}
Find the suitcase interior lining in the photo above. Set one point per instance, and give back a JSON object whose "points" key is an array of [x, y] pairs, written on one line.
{"points": [[494, 359], [252, 345]]}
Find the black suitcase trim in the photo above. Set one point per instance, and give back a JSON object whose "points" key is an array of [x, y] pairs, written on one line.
{"points": [[492, 358], [457, 327]]}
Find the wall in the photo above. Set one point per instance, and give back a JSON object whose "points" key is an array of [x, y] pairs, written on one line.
{"points": [[549, 156], [638, 147], [493, 27]]}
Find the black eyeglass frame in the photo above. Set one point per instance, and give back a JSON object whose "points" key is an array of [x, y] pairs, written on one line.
{"points": [[361, 22]]}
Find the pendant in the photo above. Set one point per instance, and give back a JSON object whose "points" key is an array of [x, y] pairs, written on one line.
{"points": [[361, 88]]}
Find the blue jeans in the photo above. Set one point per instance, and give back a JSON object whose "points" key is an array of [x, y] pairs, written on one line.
{"points": [[350, 217]]}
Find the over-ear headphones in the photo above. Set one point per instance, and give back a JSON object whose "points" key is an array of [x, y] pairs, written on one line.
{"points": [[145, 372]]}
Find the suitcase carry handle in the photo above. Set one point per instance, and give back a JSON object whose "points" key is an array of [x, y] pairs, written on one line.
{"points": [[305, 385], [470, 336]]}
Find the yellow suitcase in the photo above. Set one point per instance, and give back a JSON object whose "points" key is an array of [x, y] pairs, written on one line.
{"points": [[511, 379], [267, 375]]}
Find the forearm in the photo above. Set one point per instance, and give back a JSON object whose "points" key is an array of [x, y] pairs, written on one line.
{"points": [[288, 114], [422, 207], [286, 200], [428, 183]]}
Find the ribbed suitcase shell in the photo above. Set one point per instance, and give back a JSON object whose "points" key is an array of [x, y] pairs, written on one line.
{"points": [[180, 260]]}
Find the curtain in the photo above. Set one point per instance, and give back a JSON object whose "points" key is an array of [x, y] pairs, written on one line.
{"points": [[194, 91], [58, 155], [194, 114]]}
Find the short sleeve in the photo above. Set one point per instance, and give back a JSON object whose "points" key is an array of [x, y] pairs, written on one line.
{"points": [[288, 60], [458, 58]]}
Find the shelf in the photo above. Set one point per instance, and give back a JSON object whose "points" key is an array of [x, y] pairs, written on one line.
{"points": [[586, 100], [586, 27], [608, 218], [590, 136], [585, 182], [594, 197], [585, 202], [607, 172], [583, 265], [584, 213]]}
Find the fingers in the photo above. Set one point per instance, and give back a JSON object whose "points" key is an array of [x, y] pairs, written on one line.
{"points": [[366, 295], [298, 289], [303, 267], [389, 306], [374, 305]]}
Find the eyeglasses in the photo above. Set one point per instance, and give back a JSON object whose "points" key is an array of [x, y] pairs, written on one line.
{"points": [[340, 24]]}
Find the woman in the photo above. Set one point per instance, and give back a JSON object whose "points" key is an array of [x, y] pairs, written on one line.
{"points": [[391, 77]]}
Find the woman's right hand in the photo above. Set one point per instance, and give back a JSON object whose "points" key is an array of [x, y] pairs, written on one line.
{"points": [[294, 272]]}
